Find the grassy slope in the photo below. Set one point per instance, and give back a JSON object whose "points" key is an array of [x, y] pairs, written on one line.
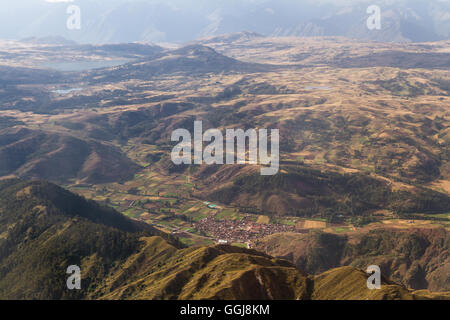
{"points": [[417, 258], [45, 228], [348, 283], [224, 272]]}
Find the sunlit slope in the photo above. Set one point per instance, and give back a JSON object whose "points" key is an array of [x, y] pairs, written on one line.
{"points": [[224, 272], [221, 272], [417, 258], [44, 229], [347, 283], [59, 157]]}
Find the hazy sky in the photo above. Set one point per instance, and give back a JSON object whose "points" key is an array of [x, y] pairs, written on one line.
{"points": [[184, 20]]}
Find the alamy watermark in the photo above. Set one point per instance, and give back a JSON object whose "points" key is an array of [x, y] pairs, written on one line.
{"points": [[74, 11], [232, 151], [374, 280], [74, 281], [374, 21]]}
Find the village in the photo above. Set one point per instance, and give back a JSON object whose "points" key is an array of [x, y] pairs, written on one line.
{"points": [[212, 223], [244, 231]]}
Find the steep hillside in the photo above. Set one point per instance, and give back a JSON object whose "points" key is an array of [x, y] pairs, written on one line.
{"points": [[304, 192], [58, 157], [221, 272], [225, 272], [347, 283], [44, 229], [417, 258]]}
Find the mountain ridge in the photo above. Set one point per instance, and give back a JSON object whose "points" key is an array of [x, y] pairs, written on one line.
{"points": [[125, 260], [137, 264]]}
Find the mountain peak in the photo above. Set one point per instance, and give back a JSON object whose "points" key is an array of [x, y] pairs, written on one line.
{"points": [[196, 50]]}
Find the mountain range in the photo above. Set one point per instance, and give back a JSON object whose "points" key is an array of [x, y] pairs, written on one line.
{"points": [[364, 174], [44, 229], [181, 21]]}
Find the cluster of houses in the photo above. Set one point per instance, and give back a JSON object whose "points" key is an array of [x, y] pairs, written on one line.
{"points": [[245, 230]]}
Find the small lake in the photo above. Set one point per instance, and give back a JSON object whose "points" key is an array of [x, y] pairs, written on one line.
{"points": [[83, 65], [318, 88], [66, 91]]}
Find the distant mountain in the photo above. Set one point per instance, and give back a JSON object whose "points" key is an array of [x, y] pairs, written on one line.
{"points": [[401, 21], [128, 50], [192, 59], [230, 38], [182, 21], [55, 40], [44, 229]]}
